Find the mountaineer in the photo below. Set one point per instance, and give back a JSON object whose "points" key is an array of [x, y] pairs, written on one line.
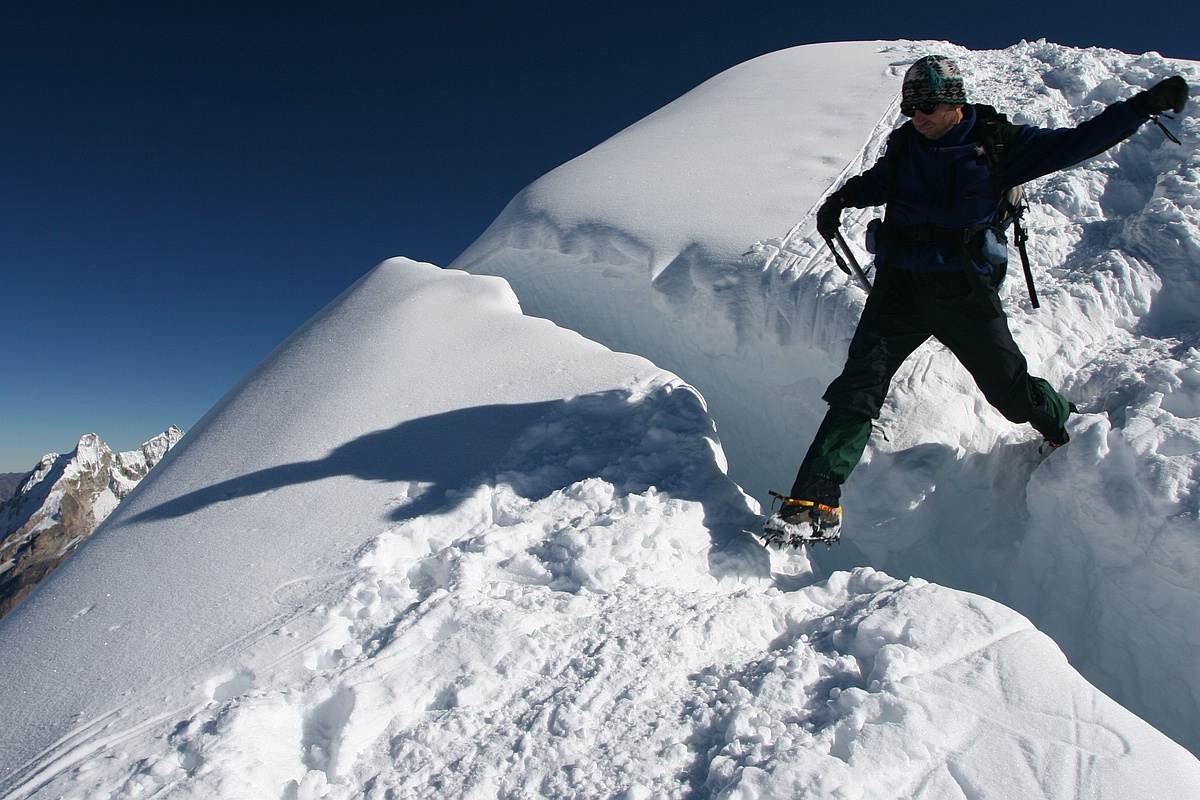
{"points": [[940, 255]]}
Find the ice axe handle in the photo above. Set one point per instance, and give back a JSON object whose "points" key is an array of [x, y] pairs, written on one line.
{"points": [[847, 263]]}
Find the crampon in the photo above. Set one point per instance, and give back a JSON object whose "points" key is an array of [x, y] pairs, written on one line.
{"points": [[801, 523]]}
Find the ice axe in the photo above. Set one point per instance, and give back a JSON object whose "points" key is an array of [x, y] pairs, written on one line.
{"points": [[834, 241]]}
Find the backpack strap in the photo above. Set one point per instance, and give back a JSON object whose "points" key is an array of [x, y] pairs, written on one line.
{"points": [[995, 135]]}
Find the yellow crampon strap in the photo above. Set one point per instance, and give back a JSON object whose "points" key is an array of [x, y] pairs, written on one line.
{"points": [[806, 503], [818, 506]]}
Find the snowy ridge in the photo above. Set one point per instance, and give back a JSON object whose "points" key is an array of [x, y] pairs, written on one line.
{"points": [[432, 546], [759, 321]]}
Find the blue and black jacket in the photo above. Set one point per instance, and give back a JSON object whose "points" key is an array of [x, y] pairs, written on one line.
{"points": [[946, 185]]}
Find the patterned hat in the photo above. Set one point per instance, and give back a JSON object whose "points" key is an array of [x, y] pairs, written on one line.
{"points": [[933, 79]]}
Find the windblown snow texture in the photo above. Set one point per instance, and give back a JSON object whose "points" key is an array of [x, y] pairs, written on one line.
{"points": [[704, 258]]}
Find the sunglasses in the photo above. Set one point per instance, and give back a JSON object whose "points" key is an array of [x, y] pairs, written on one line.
{"points": [[924, 108]]}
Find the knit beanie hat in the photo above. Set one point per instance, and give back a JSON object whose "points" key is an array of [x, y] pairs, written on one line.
{"points": [[933, 79]]}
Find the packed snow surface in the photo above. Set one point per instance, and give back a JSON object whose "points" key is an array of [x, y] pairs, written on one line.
{"points": [[704, 258], [435, 547]]}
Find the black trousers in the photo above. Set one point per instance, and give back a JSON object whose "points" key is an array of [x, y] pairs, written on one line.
{"points": [[903, 311]]}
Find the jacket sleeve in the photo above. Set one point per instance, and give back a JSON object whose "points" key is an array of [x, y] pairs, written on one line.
{"points": [[871, 187], [1039, 151]]}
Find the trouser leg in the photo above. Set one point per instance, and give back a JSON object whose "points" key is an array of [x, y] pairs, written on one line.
{"points": [[834, 452], [885, 337], [985, 347]]}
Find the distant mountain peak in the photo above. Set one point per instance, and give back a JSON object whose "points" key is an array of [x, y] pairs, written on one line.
{"points": [[59, 503]]}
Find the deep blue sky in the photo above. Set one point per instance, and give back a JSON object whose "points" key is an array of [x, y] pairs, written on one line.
{"points": [[183, 184]]}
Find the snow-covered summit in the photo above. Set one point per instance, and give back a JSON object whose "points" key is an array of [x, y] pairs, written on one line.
{"points": [[435, 547]]}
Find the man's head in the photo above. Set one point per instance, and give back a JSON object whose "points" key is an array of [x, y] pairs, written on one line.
{"points": [[933, 95]]}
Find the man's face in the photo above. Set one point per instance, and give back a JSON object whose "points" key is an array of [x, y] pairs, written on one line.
{"points": [[938, 122]]}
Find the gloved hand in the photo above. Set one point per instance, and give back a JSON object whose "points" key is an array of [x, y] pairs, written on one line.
{"points": [[829, 215], [1168, 95]]}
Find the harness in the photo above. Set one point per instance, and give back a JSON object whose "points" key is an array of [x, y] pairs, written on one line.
{"points": [[994, 134]]}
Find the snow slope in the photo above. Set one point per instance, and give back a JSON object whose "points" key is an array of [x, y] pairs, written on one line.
{"points": [[689, 238], [435, 547], [402, 389]]}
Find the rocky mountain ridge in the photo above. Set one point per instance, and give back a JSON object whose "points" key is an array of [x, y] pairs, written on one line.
{"points": [[61, 501]]}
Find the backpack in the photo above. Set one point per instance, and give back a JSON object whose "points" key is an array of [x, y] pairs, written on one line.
{"points": [[994, 134]]}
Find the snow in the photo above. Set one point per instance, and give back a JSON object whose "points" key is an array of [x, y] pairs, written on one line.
{"points": [[435, 545], [1100, 545]]}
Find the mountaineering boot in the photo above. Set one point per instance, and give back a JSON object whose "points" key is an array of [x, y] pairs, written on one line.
{"points": [[1055, 439], [802, 522], [1051, 442]]}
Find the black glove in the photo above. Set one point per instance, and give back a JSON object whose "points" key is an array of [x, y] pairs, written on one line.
{"points": [[1168, 95], [829, 215]]}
